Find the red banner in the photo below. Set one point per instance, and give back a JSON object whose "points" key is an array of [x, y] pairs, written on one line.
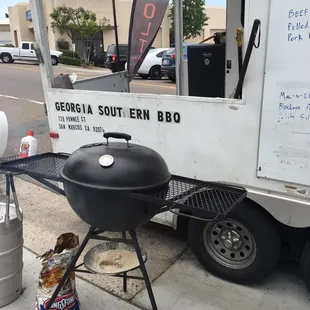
{"points": [[145, 21]]}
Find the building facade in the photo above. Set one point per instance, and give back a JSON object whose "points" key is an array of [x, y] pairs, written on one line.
{"points": [[22, 26], [5, 32]]}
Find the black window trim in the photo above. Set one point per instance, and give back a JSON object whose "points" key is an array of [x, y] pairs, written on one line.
{"points": [[25, 44], [161, 54]]}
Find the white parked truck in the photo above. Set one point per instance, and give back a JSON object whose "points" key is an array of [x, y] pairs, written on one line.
{"points": [[25, 52], [260, 141]]}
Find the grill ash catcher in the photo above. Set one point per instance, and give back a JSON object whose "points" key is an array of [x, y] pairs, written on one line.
{"points": [[119, 186]]}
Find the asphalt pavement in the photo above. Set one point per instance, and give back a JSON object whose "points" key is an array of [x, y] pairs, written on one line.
{"points": [[22, 98], [23, 80], [23, 116]]}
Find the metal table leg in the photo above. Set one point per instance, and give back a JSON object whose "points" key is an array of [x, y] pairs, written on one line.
{"points": [[18, 213], [8, 197]]}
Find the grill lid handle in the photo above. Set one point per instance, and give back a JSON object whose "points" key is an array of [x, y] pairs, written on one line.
{"points": [[116, 135]]}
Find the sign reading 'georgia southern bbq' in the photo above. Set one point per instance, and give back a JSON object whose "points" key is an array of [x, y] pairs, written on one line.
{"points": [[76, 122]]}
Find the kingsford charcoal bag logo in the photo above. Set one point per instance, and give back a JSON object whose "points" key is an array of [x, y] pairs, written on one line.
{"points": [[67, 302]]}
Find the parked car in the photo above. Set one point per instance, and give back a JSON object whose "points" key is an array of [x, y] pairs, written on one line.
{"points": [[25, 52], [99, 59], [168, 62], [151, 66], [110, 60]]}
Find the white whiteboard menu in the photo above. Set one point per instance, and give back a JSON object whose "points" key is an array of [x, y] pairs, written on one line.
{"points": [[284, 149]]}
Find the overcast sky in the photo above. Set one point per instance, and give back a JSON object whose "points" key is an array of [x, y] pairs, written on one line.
{"points": [[4, 6], [5, 3]]}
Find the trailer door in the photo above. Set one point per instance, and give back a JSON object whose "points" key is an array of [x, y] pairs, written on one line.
{"points": [[284, 147]]}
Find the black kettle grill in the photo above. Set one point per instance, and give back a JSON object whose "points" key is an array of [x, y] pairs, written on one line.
{"points": [[97, 176]]}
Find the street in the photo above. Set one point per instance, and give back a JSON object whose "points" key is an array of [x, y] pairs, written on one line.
{"points": [[22, 98]]}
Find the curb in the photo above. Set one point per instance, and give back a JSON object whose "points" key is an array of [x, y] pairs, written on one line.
{"points": [[103, 70]]}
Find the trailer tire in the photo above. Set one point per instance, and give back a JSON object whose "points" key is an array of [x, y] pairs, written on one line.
{"points": [[305, 264], [6, 58], [244, 248]]}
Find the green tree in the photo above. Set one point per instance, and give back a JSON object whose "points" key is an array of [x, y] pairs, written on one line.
{"points": [[80, 22], [194, 18]]}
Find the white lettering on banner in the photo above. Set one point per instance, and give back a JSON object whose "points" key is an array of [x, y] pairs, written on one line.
{"points": [[80, 123]]}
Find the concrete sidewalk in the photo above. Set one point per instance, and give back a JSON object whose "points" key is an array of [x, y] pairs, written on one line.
{"points": [[187, 286], [91, 297], [86, 69]]}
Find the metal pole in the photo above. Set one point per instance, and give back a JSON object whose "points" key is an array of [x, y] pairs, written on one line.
{"points": [[41, 37], [116, 35], [178, 33]]}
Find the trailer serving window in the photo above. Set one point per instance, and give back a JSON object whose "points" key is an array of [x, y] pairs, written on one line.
{"points": [[214, 68], [217, 67]]}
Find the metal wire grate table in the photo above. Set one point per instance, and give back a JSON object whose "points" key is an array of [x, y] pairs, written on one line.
{"points": [[199, 198], [47, 165]]}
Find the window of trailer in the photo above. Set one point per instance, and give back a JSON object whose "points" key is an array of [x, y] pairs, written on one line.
{"points": [[214, 61]]}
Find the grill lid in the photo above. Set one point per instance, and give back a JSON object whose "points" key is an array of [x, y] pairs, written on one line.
{"points": [[116, 166]]}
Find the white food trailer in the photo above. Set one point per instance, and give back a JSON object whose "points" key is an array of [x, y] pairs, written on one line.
{"points": [[261, 141]]}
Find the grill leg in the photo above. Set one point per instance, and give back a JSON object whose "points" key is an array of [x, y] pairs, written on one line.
{"points": [[70, 268], [125, 273], [143, 269]]}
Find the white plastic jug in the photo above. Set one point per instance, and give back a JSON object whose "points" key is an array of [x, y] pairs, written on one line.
{"points": [[3, 132], [28, 145]]}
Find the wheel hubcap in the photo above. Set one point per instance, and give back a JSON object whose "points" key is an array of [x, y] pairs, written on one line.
{"points": [[231, 239], [6, 58], [155, 73], [230, 244]]}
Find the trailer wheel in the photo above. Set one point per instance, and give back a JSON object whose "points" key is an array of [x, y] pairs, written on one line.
{"points": [[305, 265], [6, 58], [244, 248]]}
